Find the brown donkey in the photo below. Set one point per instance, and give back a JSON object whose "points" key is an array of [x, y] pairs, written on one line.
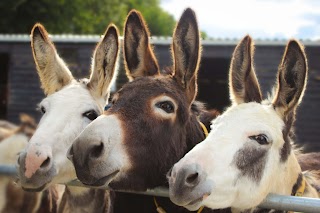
{"points": [[152, 121]]}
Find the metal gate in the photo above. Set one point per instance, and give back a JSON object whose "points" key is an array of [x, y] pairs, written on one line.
{"points": [[272, 201]]}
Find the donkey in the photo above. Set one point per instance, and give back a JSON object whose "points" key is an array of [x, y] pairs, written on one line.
{"points": [[152, 120], [69, 107], [12, 197], [249, 152], [6, 129]]}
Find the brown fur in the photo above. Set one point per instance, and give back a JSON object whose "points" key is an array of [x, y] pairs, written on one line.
{"points": [[142, 62], [29, 202], [251, 162], [133, 103], [154, 144], [242, 70], [155, 132], [309, 161], [291, 85], [97, 200]]}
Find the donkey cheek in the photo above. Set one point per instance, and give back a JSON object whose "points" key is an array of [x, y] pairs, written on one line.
{"points": [[251, 162]]}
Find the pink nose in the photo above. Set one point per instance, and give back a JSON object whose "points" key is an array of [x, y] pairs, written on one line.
{"points": [[38, 158]]}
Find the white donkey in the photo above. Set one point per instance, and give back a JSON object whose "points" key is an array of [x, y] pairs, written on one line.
{"points": [[69, 107], [249, 152]]}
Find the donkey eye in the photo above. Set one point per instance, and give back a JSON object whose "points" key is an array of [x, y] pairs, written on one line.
{"points": [[90, 115], [261, 139], [166, 106], [43, 110]]}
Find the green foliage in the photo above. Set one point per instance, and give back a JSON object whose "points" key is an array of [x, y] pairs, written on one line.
{"points": [[80, 17], [159, 21], [204, 35]]}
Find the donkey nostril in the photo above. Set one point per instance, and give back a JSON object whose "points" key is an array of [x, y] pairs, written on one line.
{"points": [[192, 179], [70, 153], [45, 163], [169, 174], [18, 161], [97, 150]]}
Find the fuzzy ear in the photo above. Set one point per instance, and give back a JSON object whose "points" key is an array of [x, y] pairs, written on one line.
{"points": [[292, 78], [186, 52], [138, 54], [52, 71], [243, 83], [104, 63]]}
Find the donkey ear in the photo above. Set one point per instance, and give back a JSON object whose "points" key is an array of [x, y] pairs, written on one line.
{"points": [[186, 52], [53, 72], [138, 55], [104, 63], [292, 78], [243, 83]]}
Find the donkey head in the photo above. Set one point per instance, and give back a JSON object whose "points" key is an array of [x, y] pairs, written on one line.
{"points": [[69, 107], [248, 152], [152, 124]]}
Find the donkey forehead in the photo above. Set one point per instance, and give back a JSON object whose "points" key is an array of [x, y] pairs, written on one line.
{"points": [[153, 86], [76, 94], [253, 118]]}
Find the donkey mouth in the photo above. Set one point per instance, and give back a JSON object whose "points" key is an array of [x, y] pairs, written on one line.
{"points": [[104, 180], [39, 189], [197, 202]]}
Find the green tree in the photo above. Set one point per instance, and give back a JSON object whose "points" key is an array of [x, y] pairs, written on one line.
{"points": [[159, 21], [80, 17]]}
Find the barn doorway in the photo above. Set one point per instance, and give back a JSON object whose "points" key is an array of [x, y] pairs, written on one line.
{"points": [[4, 68], [213, 82]]}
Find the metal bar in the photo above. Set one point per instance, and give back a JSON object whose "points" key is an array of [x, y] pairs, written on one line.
{"points": [[8, 170], [291, 203], [272, 201]]}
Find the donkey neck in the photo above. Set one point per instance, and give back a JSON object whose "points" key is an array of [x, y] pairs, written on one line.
{"points": [[80, 199], [195, 132], [291, 172]]}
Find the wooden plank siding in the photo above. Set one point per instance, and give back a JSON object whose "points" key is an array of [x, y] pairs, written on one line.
{"points": [[25, 92]]}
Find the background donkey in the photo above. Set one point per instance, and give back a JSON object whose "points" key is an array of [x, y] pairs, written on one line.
{"points": [[69, 107], [249, 151], [6, 129], [12, 197], [153, 119]]}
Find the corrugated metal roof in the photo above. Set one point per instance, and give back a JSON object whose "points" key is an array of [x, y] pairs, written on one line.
{"points": [[159, 40]]}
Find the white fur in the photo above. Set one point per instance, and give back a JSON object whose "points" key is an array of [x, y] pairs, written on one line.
{"points": [[114, 156], [61, 124], [215, 155]]}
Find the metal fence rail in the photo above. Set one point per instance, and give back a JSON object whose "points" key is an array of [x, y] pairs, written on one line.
{"points": [[272, 201]]}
